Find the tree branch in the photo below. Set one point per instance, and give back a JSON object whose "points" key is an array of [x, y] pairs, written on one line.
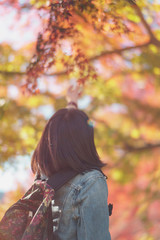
{"points": [[105, 53], [153, 39], [148, 146], [129, 148], [118, 51], [10, 73]]}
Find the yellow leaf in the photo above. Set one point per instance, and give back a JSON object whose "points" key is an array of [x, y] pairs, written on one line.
{"points": [[117, 174], [153, 48], [156, 70], [135, 133]]}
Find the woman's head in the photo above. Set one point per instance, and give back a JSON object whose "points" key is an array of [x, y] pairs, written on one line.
{"points": [[67, 141]]}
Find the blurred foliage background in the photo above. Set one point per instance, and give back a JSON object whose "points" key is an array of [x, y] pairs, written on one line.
{"points": [[112, 48]]}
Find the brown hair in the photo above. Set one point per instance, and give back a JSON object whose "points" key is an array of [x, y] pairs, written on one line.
{"points": [[67, 141]]}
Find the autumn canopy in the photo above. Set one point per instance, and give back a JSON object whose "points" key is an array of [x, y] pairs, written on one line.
{"points": [[112, 49]]}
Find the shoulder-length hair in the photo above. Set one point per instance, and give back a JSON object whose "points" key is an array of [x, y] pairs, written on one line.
{"points": [[67, 141]]}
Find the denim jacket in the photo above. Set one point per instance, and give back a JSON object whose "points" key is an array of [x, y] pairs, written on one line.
{"points": [[83, 208]]}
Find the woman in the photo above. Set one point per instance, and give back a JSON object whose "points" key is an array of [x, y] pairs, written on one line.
{"points": [[67, 142]]}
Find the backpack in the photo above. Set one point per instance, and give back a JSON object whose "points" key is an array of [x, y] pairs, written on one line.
{"points": [[30, 218], [35, 216]]}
